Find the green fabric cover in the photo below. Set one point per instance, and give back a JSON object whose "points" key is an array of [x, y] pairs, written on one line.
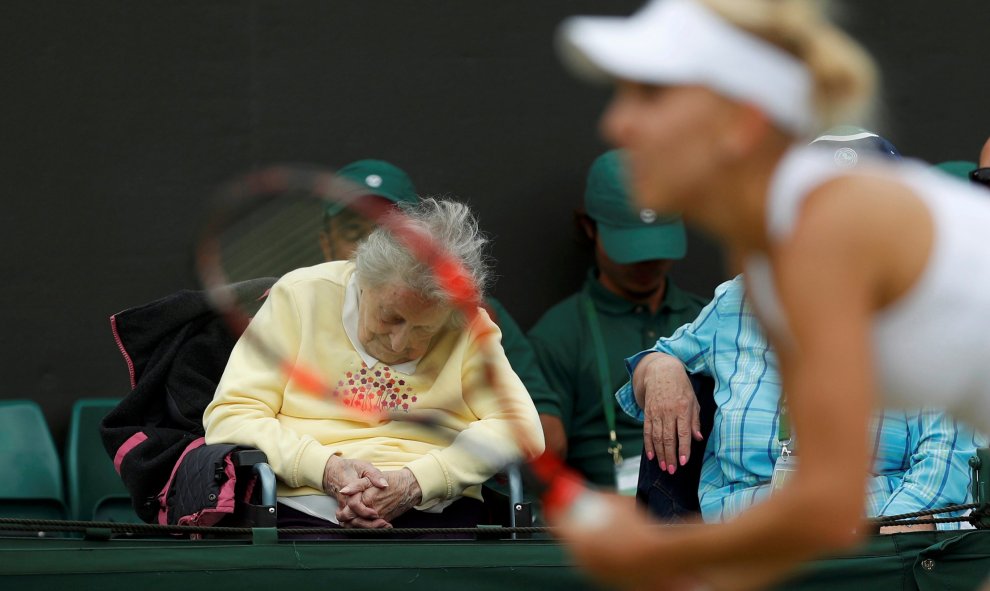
{"points": [[959, 561]]}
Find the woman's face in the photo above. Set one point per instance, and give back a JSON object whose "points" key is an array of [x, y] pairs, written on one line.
{"points": [[671, 139], [396, 324]]}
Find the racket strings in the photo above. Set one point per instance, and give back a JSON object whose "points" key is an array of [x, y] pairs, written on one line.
{"points": [[269, 224]]}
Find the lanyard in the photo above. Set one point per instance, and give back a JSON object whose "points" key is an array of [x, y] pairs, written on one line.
{"points": [[604, 376]]}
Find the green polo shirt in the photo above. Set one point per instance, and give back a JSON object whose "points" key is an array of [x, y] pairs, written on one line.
{"points": [[566, 353], [519, 352]]}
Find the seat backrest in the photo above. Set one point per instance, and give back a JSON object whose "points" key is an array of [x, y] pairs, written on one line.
{"points": [[30, 470], [95, 491]]}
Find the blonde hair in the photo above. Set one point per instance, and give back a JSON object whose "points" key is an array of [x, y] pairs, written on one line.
{"points": [[844, 74]]}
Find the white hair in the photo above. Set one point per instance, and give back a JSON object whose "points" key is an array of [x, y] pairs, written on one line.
{"points": [[382, 258]]}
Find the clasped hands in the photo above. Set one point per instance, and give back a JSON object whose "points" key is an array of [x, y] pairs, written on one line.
{"points": [[367, 496]]}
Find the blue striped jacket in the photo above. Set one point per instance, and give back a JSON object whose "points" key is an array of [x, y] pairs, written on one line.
{"points": [[921, 456]]}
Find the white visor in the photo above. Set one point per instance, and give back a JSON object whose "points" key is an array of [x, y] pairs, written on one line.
{"points": [[681, 42]]}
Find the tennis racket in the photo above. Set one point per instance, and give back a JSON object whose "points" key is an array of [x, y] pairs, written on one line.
{"points": [[267, 223]]}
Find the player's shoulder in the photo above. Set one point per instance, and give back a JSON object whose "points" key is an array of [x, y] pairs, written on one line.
{"points": [[850, 204]]}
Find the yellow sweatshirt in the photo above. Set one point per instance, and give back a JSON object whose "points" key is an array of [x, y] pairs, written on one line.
{"points": [[257, 404]]}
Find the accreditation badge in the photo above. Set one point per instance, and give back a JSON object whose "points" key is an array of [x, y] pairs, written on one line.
{"points": [[783, 470], [627, 476]]}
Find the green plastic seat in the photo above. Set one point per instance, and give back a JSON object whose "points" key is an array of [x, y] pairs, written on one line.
{"points": [[96, 492], [30, 470]]}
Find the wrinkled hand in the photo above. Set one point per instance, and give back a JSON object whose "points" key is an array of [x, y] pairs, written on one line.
{"points": [[401, 493], [671, 409], [340, 473]]}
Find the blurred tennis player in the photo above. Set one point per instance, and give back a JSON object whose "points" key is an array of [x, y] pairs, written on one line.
{"points": [[871, 281]]}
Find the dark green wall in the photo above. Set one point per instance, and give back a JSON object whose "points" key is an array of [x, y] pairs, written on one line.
{"points": [[118, 117]]}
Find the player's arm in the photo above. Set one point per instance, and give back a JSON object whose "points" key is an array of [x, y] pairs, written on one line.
{"points": [[827, 277]]}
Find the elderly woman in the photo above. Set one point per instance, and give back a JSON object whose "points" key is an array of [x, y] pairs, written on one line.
{"points": [[386, 336]]}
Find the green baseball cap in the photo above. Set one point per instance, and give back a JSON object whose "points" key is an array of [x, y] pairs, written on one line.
{"points": [[957, 168], [378, 178], [629, 235]]}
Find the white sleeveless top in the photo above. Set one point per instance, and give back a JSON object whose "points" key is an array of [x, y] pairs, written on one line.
{"points": [[931, 346]]}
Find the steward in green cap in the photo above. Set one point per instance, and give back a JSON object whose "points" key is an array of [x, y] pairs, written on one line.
{"points": [[626, 303], [344, 229]]}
